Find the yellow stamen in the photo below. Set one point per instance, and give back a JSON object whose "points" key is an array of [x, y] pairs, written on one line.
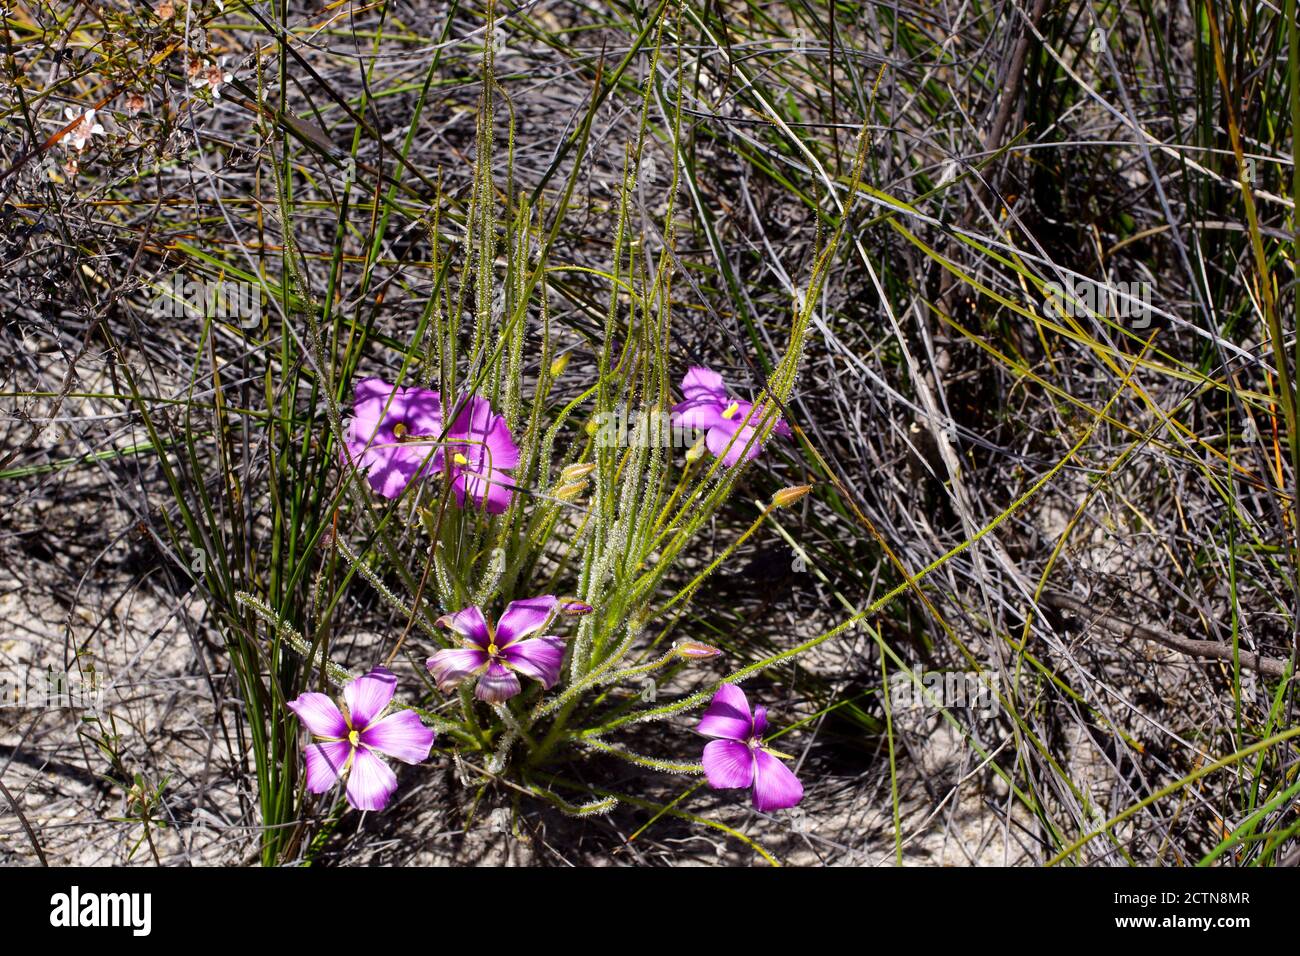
{"points": [[399, 430], [492, 650], [460, 459], [354, 738], [731, 410]]}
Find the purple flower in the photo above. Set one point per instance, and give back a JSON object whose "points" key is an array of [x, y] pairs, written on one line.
{"points": [[729, 423], [478, 453], [498, 655], [351, 740], [739, 758], [384, 435]]}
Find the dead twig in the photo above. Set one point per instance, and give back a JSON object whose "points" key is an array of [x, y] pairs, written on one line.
{"points": [[1272, 667]]}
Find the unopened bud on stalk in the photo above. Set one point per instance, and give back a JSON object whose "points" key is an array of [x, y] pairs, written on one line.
{"points": [[574, 472], [788, 496], [558, 366], [575, 607], [570, 491], [696, 451], [695, 651]]}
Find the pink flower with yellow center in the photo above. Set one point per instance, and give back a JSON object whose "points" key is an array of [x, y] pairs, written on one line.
{"points": [[392, 434], [497, 655], [480, 451], [351, 741], [739, 758], [730, 424]]}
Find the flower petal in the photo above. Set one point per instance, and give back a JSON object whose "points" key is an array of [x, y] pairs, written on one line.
{"points": [[324, 763], [421, 411], [499, 449], [486, 438], [495, 488], [473, 418], [775, 785], [371, 782], [320, 715], [370, 398], [401, 735], [702, 413], [391, 470], [728, 764], [701, 382], [451, 667], [759, 728], [524, 617], [538, 657], [370, 439], [728, 440], [498, 684], [368, 695], [728, 715], [469, 624]]}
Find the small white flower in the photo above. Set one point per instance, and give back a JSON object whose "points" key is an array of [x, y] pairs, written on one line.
{"points": [[213, 77], [79, 136]]}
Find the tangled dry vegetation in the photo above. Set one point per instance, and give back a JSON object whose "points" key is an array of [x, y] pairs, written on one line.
{"points": [[1093, 508]]}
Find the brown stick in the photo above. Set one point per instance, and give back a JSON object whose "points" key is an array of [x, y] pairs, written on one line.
{"points": [[31, 834], [1249, 660]]}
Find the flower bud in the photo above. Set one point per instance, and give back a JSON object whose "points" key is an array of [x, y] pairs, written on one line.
{"points": [[570, 491], [695, 651], [574, 472], [575, 607], [558, 366], [696, 451], [788, 496]]}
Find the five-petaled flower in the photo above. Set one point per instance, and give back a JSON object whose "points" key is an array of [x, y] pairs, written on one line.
{"points": [[79, 136], [479, 452], [212, 76], [351, 740], [498, 655], [391, 432], [738, 758], [729, 423]]}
